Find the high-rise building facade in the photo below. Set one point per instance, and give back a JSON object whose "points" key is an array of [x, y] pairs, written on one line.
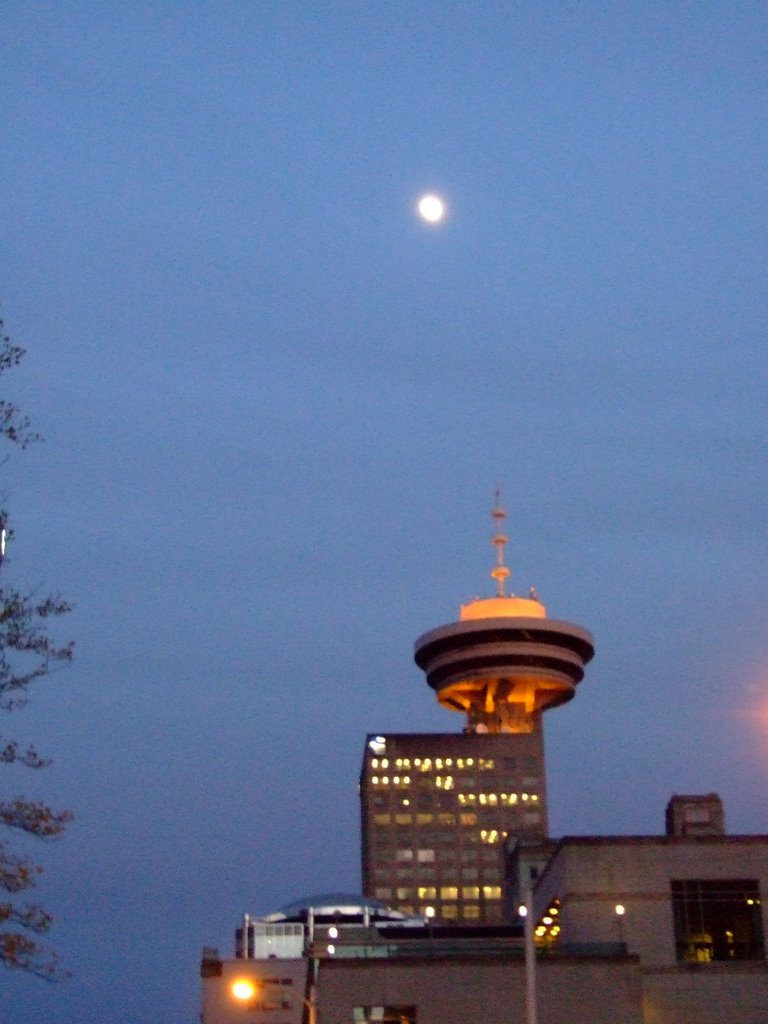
{"points": [[437, 808]]}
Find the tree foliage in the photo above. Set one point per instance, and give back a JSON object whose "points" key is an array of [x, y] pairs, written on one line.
{"points": [[27, 652]]}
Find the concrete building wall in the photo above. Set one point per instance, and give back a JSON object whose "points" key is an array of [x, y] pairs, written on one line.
{"points": [[706, 994], [453, 991]]}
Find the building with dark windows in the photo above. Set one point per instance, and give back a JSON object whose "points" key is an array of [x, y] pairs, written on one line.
{"points": [[436, 809]]}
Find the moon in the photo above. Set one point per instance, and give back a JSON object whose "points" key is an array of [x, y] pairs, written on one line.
{"points": [[431, 208]]}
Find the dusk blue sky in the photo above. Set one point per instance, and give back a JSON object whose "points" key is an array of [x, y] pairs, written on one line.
{"points": [[276, 405]]}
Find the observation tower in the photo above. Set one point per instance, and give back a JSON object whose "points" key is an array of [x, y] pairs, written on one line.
{"points": [[505, 661]]}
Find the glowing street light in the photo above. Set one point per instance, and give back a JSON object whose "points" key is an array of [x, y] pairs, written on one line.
{"points": [[243, 989]]}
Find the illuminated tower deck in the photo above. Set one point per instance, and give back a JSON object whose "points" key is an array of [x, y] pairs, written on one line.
{"points": [[436, 808], [504, 661]]}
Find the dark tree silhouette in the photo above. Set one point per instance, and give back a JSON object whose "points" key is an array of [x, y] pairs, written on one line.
{"points": [[27, 652]]}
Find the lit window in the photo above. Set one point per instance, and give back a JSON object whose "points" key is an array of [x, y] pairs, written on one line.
{"points": [[468, 819], [447, 819], [448, 762], [382, 819], [470, 761], [492, 892], [383, 893], [450, 911], [438, 762], [403, 819], [396, 780], [375, 780], [470, 892], [425, 856], [385, 781], [423, 819], [427, 892], [385, 763], [449, 892], [375, 762], [717, 919], [382, 1014], [402, 893], [403, 855], [470, 912]]}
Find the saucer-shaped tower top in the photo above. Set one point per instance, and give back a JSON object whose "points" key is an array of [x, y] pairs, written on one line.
{"points": [[505, 660]]}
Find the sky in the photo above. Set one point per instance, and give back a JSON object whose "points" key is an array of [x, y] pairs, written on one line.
{"points": [[276, 405]]}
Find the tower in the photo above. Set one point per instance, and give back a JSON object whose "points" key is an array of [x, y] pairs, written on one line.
{"points": [[436, 808]]}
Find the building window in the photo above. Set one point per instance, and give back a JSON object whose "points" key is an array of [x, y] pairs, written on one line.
{"points": [[449, 892], [425, 856], [403, 855], [717, 919], [383, 893], [384, 1015], [471, 912]]}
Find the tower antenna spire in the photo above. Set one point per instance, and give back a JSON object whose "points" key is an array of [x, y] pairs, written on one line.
{"points": [[500, 572]]}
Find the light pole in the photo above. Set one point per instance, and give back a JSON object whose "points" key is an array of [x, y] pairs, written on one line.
{"points": [[620, 911], [526, 912]]}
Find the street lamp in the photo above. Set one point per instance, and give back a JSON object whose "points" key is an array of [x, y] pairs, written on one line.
{"points": [[620, 910], [243, 989], [525, 910]]}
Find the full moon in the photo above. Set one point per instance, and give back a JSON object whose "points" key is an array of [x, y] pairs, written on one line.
{"points": [[431, 208]]}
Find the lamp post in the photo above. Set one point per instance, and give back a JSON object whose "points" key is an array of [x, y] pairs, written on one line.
{"points": [[526, 912], [620, 911]]}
